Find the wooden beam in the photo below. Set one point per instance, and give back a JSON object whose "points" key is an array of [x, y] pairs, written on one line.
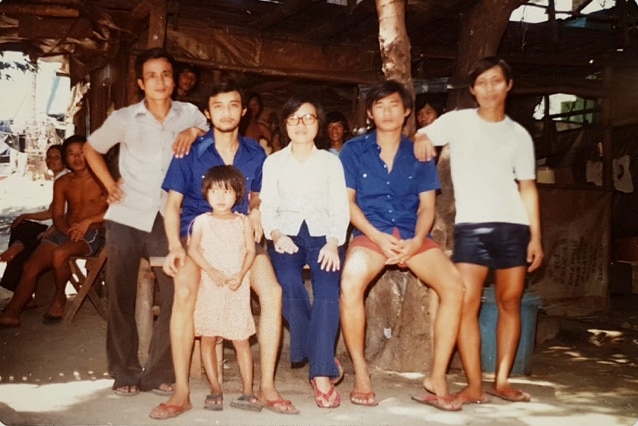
{"points": [[354, 16], [141, 11], [38, 10], [157, 24], [284, 11], [219, 49]]}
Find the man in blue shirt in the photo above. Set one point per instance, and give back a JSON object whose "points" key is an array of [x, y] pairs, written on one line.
{"points": [[392, 197], [222, 145]]}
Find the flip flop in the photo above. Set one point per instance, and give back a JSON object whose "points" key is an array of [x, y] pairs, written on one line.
{"points": [[164, 392], [214, 402], [370, 398], [323, 399], [445, 403], [277, 406], [167, 411], [247, 401], [466, 400], [10, 325], [126, 390], [516, 395], [51, 319]]}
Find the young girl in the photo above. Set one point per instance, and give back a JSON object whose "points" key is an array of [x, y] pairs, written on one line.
{"points": [[305, 215], [222, 245], [497, 218]]}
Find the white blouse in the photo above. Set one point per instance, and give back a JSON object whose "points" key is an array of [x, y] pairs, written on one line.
{"points": [[313, 191]]}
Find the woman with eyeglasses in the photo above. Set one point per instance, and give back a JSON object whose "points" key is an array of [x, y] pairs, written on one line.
{"points": [[305, 216]]}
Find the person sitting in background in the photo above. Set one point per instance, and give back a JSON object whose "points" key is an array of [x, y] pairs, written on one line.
{"points": [[79, 203], [428, 108], [187, 79], [25, 233], [337, 131], [251, 126]]}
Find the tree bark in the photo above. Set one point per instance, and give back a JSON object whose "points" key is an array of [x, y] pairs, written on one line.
{"points": [[398, 335], [394, 45]]}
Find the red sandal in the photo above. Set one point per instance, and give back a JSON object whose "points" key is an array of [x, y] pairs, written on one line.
{"points": [[323, 400]]}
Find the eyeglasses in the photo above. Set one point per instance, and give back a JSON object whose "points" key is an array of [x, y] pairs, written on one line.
{"points": [[308, 119]]}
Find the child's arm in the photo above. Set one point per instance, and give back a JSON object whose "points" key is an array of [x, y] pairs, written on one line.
{"points": [[195, 252], [249, 241]]}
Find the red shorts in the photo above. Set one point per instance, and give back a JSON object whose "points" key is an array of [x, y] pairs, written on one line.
{"points": [[364, 241]]}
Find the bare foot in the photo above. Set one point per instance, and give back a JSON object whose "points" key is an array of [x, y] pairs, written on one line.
{"points": [[362, 394], [7, 321], [179, 400], [56, 311], [271, 400], [508, 393], [435, 387], [12, 251], [470, 397]]}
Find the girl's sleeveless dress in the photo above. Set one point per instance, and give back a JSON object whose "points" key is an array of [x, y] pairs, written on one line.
{"points": [[220, 311]]}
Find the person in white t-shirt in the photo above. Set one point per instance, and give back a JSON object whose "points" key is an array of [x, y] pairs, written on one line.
{"points": [[497, 224]]}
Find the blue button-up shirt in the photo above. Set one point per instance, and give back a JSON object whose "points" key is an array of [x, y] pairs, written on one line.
{"points": [[388, 200], [185, 175]]}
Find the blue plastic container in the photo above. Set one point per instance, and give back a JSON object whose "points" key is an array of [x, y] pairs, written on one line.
{"points": [[487, 321]]}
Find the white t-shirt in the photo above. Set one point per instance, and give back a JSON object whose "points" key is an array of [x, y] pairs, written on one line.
{"points": [[486, 160]]}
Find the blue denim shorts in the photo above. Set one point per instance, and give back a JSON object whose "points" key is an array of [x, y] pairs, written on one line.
{"points": [[93, 239], [496, 245]]}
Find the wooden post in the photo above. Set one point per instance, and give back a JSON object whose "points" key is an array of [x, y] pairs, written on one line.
{"points": [[157, 24]]}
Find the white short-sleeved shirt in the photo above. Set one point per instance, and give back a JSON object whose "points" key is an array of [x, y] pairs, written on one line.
{"points": [[145, 153], [313, 191], [486, 160]]}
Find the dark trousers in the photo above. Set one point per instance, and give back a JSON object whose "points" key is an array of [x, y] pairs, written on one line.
{"points": [[126, 246], [27, 233], [313, 327]]}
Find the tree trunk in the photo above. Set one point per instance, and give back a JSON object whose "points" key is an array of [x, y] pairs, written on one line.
{"points": [[394, 45], [398, 336]]}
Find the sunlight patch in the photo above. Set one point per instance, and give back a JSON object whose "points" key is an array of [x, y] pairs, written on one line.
{"points": [[53, 397]]}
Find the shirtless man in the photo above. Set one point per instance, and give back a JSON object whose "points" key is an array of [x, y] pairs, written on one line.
{"points": [[222, 145], [78, 232]]}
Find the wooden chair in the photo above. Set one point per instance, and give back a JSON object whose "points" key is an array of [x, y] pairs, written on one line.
{"points": [[84, 284]]}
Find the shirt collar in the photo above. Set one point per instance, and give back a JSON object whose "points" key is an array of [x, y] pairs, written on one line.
{"points": [[140, 108], [288, 150], [204, 143]]}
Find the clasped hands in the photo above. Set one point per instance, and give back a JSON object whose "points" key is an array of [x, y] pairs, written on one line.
{"points": [[397, 251]]}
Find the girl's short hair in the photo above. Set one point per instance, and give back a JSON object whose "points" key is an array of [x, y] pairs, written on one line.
{"points": [[226, 177], [485, 64]]}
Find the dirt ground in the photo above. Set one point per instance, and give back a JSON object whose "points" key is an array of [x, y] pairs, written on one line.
{"points": [[585, 372], [586, 375]]}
